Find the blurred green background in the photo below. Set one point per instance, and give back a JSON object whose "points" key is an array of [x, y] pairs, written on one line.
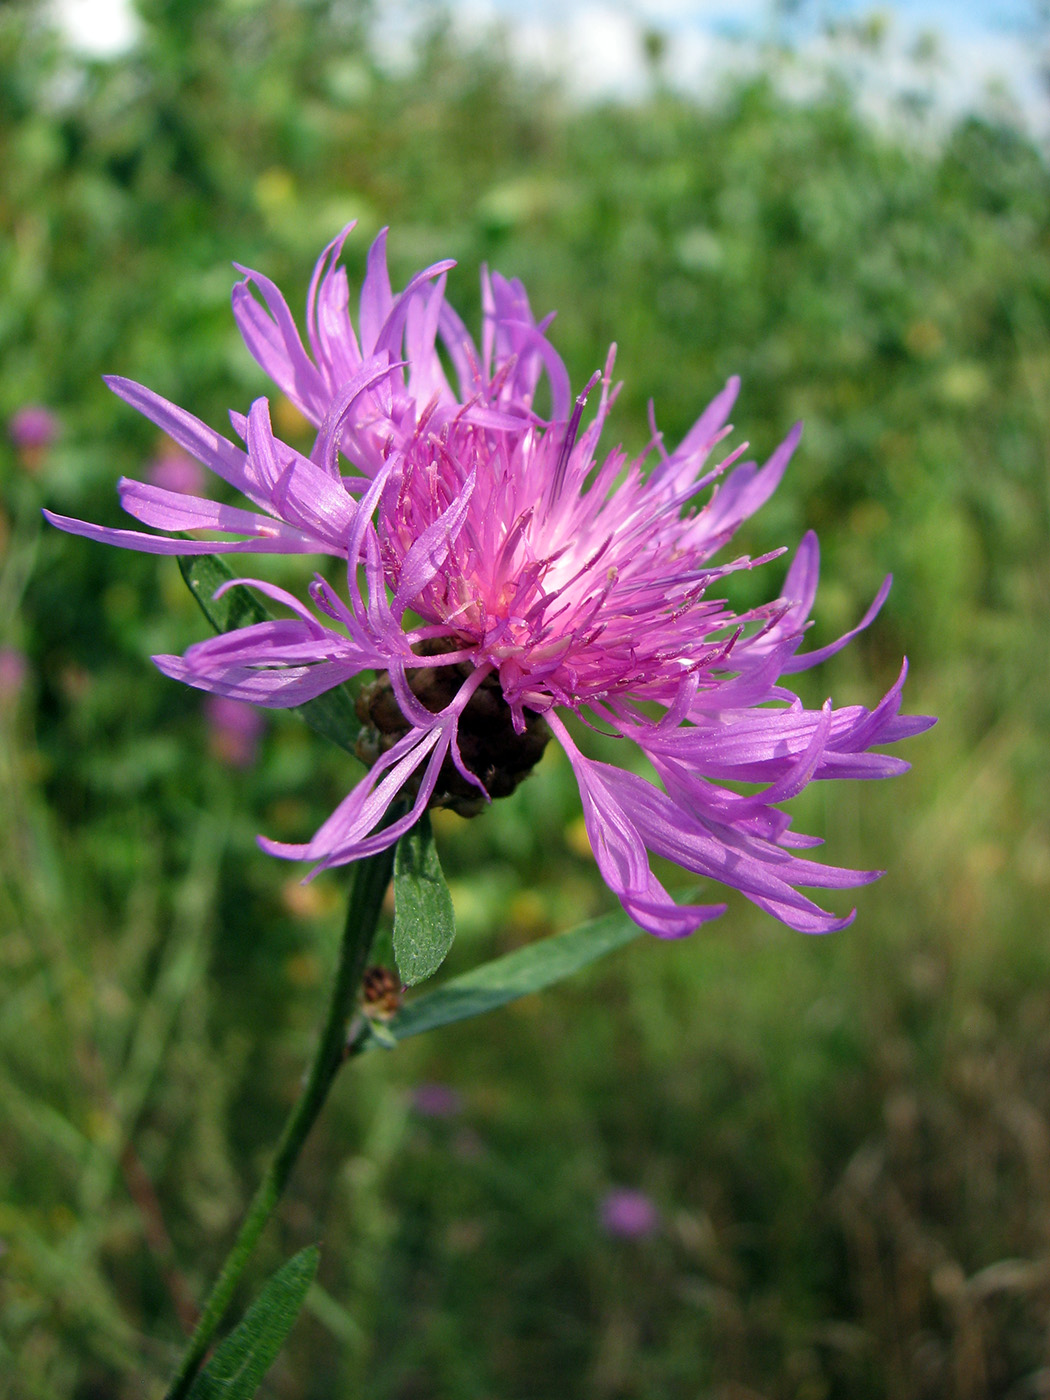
{"points": [[846, 1141]]}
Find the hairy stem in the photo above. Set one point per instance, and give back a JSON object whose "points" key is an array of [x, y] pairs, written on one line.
{"points": [[369, 884]]}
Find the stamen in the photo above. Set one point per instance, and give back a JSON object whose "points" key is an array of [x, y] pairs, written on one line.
{"points": [[570, 437]]}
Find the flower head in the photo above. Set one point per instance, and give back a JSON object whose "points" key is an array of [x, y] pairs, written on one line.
{"points": [[234, 730], [33, 426], [365, 394], [14, 669], [437, 1100], [627, 1214], [32, 429], [505, 581], [175, 470]]}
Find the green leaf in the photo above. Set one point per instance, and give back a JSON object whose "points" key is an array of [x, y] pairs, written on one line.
{"points": [[331, 714], [204, 575], [514, 975], [240, 1363], [424, 924]]}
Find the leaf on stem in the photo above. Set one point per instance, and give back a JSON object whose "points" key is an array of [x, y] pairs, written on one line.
{"points": [[514, 975], [240, 1363], [424, 924], [331, 714]]}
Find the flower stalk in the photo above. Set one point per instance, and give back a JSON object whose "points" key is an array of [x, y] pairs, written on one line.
{"points": [[368, 887]]}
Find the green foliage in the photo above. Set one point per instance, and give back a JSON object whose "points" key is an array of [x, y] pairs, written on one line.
{"points": [[238, 607], [514, 975], [424, 920], [237, 1369], [846, 1138]]}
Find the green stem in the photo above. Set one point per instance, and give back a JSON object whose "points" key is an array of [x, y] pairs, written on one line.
{"points": [[370, 880]]}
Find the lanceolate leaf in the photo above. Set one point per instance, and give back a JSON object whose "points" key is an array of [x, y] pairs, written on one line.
{"points": [[204, 574], [424, 924], [331, 714], [239, 1365], [516, 974]]}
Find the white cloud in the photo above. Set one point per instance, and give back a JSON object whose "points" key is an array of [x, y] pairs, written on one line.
{"points": [[99, 28], [595, 46], [970, 70]]}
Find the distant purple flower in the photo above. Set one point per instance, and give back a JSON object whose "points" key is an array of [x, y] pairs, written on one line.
{"points": [[13, 671], [628, 1214], [176, 471], [32, 429], [437, 1101], [501, 578], [234, 728]]}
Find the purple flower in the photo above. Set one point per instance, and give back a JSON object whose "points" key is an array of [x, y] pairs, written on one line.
{"points": [[33, 427], [503, 580], [627, 1214], [437, 1101], [13, 671], [367, 395], [176, 471], [234, 730]]}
